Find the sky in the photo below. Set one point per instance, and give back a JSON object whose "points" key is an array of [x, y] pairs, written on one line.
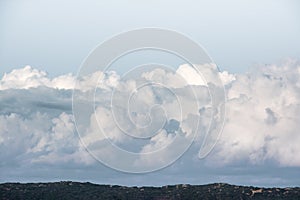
{"points": [[259, 145], [56, 36], [255, 44]]}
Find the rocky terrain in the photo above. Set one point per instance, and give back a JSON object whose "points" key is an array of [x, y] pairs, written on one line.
{"points": [[75, 190]]}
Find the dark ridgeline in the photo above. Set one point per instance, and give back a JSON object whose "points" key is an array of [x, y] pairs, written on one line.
{"points": [[74, 190]]}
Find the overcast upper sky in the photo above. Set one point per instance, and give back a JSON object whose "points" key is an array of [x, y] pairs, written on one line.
{"points": [[57, 35], [38, 135]]}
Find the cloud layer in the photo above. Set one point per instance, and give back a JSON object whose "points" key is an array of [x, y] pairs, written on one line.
{"points": [[261, 125]]}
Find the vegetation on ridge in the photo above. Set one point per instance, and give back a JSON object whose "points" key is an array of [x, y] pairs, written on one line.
{"points": [[75, 190]]}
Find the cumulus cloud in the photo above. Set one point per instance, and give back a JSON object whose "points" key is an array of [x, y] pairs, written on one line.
{"points": [[263, 117], [261, 125], [40, 139], [29, 77]]}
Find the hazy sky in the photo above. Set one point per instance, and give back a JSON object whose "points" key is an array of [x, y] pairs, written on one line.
{"points": [[57, 35], [38, 135]]}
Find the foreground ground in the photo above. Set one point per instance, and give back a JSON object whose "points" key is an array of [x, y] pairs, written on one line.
{"points": [[75, 190]]}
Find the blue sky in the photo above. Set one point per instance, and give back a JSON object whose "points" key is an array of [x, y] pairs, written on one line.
{"points": [[260, 141], [57, 35]]}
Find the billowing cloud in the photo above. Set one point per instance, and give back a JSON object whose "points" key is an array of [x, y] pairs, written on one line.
{"points": [[263, 117], [40, 139], [261, 126], [29, 77]]}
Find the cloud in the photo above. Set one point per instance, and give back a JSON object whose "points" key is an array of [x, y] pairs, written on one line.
{"points": [[29, 77], [261, 126], [263, 117], [40, 139]]}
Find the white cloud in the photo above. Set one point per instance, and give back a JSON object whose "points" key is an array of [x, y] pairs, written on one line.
{"points": [[40, 139], [262, 116], [29, 77]]}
